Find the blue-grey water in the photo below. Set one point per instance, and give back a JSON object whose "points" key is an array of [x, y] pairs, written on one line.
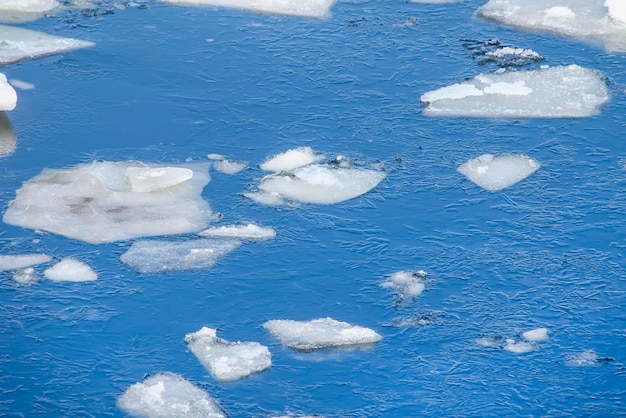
{"points": [[171, 84]]}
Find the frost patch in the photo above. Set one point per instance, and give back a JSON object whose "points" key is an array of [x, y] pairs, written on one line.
{"points": [[70, 270], [305, 8], [495, 173]]}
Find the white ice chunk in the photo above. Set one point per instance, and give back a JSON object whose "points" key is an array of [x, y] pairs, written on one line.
{"points": [[23, 10], [168, 395], [537, 334], [216, 157], [518, 347], [507, 51], [70, 270], [617, 9], [226, 360], [305, 8], [161, 256], [22, 85], [248, 231], [550, 92], [321, 184], [17, 44], [319, 333], [8, 141], [98, 203], [406, 284], [266, 198], [229, 167], [497, 172], [15, 262], [25, 276], [8, 96], [292, 159]]}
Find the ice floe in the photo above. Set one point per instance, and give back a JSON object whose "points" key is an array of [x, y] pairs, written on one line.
{"points": [[227, 361], [493, 51], [248, 231], [8, 141], [602, 19], [497, 172], [109, 201], [8, 96], [15, 262], [229, 167], [25, 276], [319, 333], [70, 270], [292, 159], [406, 284], [24, 10], [168, 395], [526, 344], [158, 256], [537, 334], [586, 358], [305, 8], [550, 92]]}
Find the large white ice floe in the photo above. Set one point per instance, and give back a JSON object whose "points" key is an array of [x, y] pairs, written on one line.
{"points": [[305, 8], [497, 172], [18, 44], [20, 261], [110, 201], [291, 159], [600, 19], [158, 256], [70, 270], [227, 361], [319, 333], [168, 395], [8, 96], [550, 92], [248, 231], [24, 10], [406, 284]]}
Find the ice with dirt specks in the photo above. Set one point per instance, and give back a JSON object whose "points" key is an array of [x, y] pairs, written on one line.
{"points": [[227, 361], [111, 201], [320, 333], [291, 160], [497, 172], [20, 261], [304, 8], [406, 284], [168, 395], [248, 231], [70, 270], [159, 256], [550, 92]]}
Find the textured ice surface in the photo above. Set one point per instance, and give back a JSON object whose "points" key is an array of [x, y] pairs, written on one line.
{"points": [[406, 283], [306, 8], [551, 92], [229, 167], [70, 270], [537, 334], [8, 141], [493, 51], [498, 172], [23, 10], [291, 159], [110, 201], [156, 256], [525, 345], [17, 44], [8, 96], [15, 262], [319, 333], [27, 275], [226, 360], [603, 19], [168, 395], [248, 231]]}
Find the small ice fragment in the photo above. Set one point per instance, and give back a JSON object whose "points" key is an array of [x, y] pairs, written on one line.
{"points": [[25, 276], [494, 173], [266, 198], [319, 333], [292, 159], [150, 179], [518, 347], [15, 262], [406, 284], [168, 395], [226, 360], [538, 334], [22, 85], [248, 231], [617, 9], [229, 167], [70, 270], [8, 96], [304, 8], [216, 157]]}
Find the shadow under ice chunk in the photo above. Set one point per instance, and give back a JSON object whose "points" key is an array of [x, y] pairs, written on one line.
{"points": [[168, 395], [305, 8], [498, 172], [227, 361]]}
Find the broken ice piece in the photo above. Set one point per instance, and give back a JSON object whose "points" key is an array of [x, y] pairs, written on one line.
{"points": [[497, 172], [305, 8], [70, 270], [248, 231], [15, 262], [291, 159], [406, 284]]}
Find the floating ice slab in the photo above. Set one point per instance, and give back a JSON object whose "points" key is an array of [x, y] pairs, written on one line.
{"points": [[8, 96], [226, 360], [406, 284], [518, 347], [229, 167], [111, 201], [292, 159], [537, 334], [18, 44], [168, 395], [495, 173], [305, 8], [603, 19], [248, 231], [321, 184], [157, 256], [551, 92], [70, 270], [319, 333], [15, 262], [24, 10]]}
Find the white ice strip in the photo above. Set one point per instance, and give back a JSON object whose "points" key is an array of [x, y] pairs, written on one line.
{"points": [[18, 44], [98, 202], [168, 395], [227, 361], [229, 167], [602, 19], [248, 231], [8, 141], [497, 172], [322, 184], [291, 159], [406, 284], [70, 270], [550, 92], [8, 96], [16, 11], [304, 8], [157, 256], [26, 276], [537, 334], [15, 262], [319, 333]]}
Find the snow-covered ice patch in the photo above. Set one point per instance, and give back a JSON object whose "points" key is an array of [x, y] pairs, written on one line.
{"points": [[518, 347], [305, 8], [319, 333], [109, 201], [227, 361], [497, 172], [229, 167], [70, 270], [248, 231], [157, 256], [168, 395], [23, 10], [16, 262], [406, 284], [550, 92], [292, 159]]}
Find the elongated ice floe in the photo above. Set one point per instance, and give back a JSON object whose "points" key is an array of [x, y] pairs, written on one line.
{"points": [[168, 395], [248, 231], [291, 159], [110, 201], [497, 172], [319, 333], [550, 92], [8, 96], [227, 361], [20, 261], [601, 19], [305, 8], [70, 270], [406, 284], [157, 256], [25, 10]]}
